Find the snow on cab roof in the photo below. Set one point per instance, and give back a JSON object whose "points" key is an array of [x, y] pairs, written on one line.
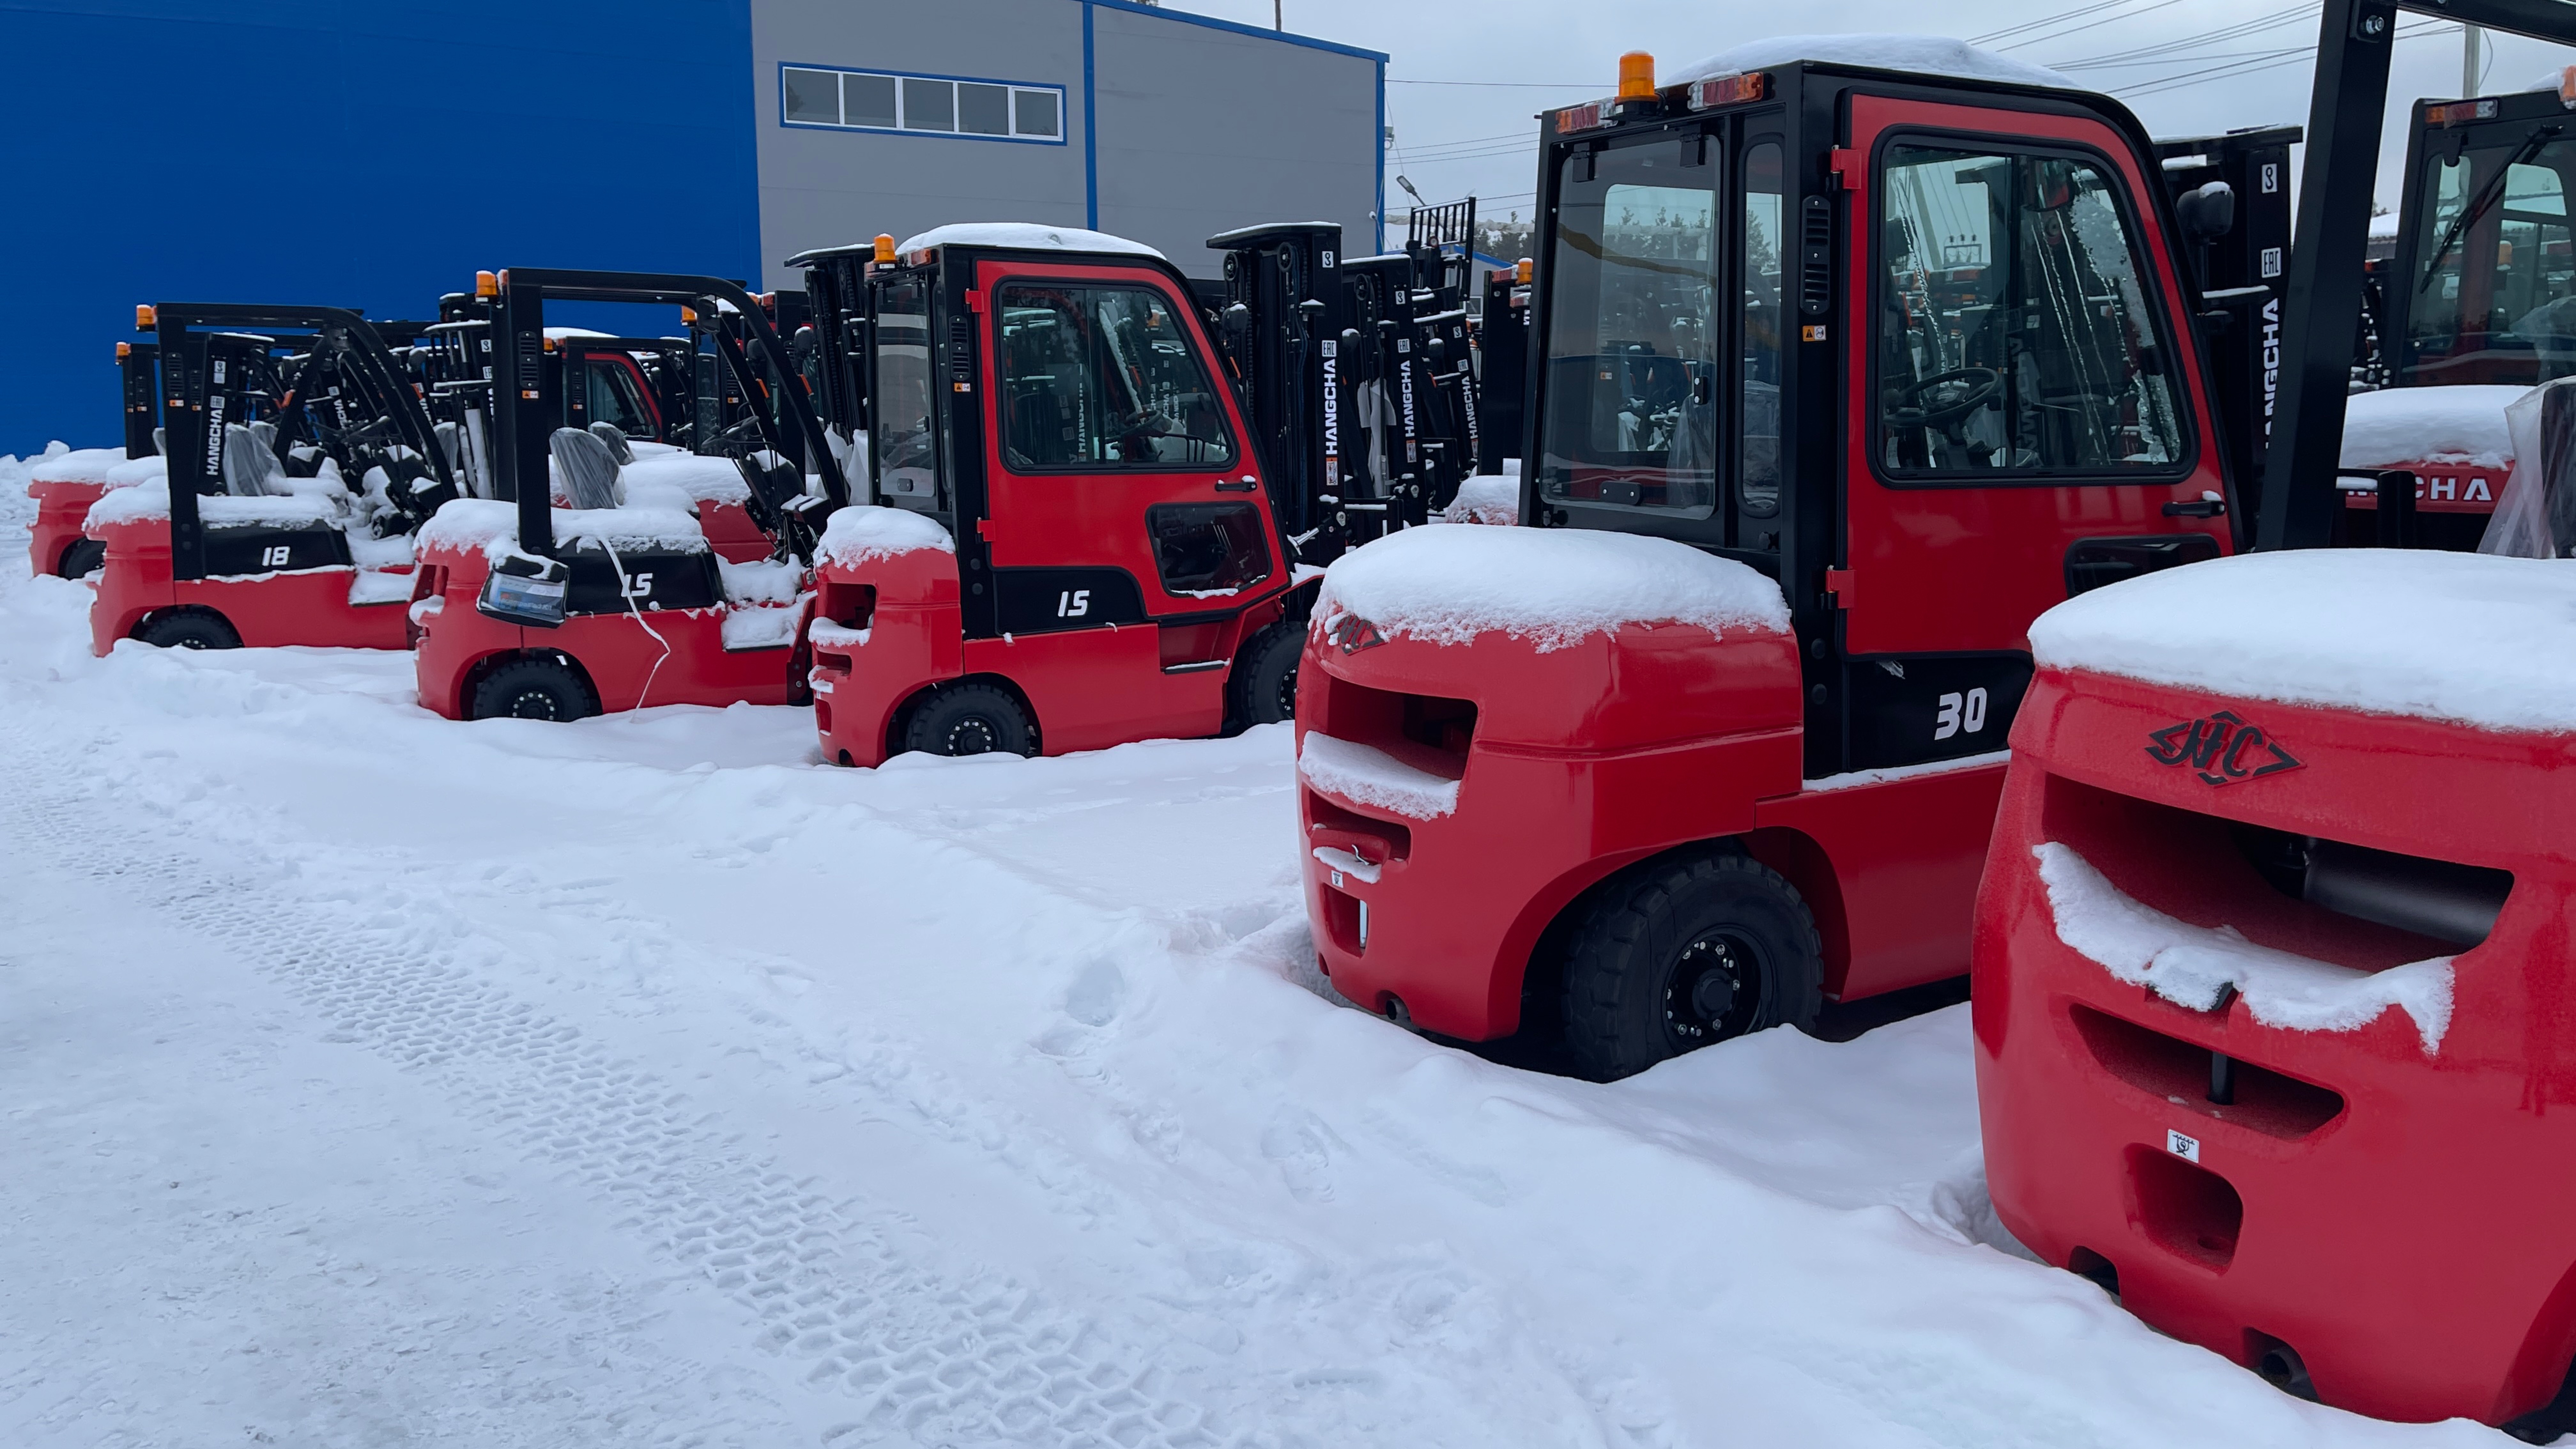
{"points": [[2469, 638], [1027, 236], [1914, 54], [864, 531], [1553, 586], [2459, 422]]}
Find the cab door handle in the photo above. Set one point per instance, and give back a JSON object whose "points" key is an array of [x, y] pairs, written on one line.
{"points": [[1246, 486]]}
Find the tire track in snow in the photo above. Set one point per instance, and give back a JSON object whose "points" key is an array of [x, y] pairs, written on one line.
{"points": [[939, 1361]]}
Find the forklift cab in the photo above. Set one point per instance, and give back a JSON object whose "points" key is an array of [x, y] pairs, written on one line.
{"points": [[1061, 416], [1920, 352], [2482, 285]]}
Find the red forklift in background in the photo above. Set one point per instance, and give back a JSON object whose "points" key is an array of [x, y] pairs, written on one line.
{"points": [[300, 459], [65, 486], [1913, 355], [1073, 546], [619, 600]]}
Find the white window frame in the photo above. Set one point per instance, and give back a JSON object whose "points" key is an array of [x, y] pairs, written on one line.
{"points": [[1012, 93]]}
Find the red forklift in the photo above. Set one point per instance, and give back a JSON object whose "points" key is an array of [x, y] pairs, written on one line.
{"points": [[1908, 356], [619, 600], [2270, 1009], [66, 485], [1072, 544], [300, 459]]}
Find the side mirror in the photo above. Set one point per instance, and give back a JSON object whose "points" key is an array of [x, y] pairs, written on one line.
{"points": [[2207, 212]]}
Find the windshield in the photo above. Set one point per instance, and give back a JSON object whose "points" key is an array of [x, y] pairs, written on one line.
{"points": [[1632, 379], [2493, 297], [905, 440]]}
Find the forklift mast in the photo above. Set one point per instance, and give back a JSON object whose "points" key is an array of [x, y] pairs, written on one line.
{"points": [[344, 392], [2232, 193], [1502, 372], [138, 365], [1281, 325]]}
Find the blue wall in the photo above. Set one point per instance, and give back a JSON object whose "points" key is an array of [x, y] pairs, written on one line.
{"points": [[369, 154]]}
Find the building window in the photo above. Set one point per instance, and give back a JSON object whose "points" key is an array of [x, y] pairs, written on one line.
{"points": [[937, 105]]}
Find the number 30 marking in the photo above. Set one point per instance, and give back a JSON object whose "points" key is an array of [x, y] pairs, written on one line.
{"points": [[1961, 713]]}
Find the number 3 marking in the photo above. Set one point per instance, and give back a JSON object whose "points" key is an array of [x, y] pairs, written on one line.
{"points": [[1961, 713]]}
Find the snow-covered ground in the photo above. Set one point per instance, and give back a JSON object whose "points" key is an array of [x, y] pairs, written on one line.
{"points": [[371, 1079]]}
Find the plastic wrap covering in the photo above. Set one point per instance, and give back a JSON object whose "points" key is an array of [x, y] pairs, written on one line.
{"points": [[618, 448], [589, 469], [250, 470], [2536, 517]]}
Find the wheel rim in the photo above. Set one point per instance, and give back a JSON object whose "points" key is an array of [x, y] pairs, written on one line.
{"points": [[1288, 691], [974, 735], [1713, 992], [534, 704]]}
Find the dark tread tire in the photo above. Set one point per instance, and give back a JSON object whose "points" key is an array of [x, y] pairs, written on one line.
{"points": [[188, 628], [84, 557], [973, 718], [1644, 937], [1262, 688], [534, 688]]}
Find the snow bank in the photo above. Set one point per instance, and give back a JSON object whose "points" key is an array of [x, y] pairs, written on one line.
{"points": [[1367, 776], [80, 465], [1555, 586], [865, 531], [151, 500], [1916, 54], [492, 526], [2463, 637], [2398, 425], [1485, 498], [2195, 966], [1027, 236]]}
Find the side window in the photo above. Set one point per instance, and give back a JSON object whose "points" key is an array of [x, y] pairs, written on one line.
{"points": [[1632, 379], [1208, 548], [1104, 377], [1757, 487], [906, 442], [613, 397], [2533, 268], [2016, 334]]}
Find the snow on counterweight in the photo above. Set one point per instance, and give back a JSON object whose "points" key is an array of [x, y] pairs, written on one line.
{"points": [[1553, 586], [1365, 775]]}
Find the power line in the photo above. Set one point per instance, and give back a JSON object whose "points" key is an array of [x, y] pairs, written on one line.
{"points": [[2070, 30], [2079, 12]]}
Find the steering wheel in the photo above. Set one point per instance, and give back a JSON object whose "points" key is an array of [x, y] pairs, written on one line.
{"points": [[1907, 412]]}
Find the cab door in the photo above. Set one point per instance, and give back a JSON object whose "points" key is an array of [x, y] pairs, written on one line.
{"points": [[2027, 417], [1119, 484]]}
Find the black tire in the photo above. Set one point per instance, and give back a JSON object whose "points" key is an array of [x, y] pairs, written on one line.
{"points": [[973, 718], [534, 688], [1263, 687], [187, 629], [1682, 954], [85, 557]]}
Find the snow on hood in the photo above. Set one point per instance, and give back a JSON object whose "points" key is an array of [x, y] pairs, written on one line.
{"points": [[1915, 54], [1485, 498], [2194, 966], [141, 470], [1554, 586], [2469, 638], [2399, 425], [493, 526], [865, 531], [80, 465], [703, 477], [1027, 236], [149, 500]]}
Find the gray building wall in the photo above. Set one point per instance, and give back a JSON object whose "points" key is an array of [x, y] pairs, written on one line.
{"points": [[1202, 127]]}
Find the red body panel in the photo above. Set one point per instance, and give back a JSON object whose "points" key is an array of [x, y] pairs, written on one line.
{"points": [[60, 507], [732, 534], [625, 664], [307, 606], [2444, 488], [1948, 567], [2410, 1242]]}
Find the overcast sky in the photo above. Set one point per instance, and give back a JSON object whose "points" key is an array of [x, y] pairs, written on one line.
{"points": [[2218, 65]]}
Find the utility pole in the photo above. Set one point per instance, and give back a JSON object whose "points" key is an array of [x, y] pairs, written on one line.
{"points": [[1278, 21], [2469, 58]]}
